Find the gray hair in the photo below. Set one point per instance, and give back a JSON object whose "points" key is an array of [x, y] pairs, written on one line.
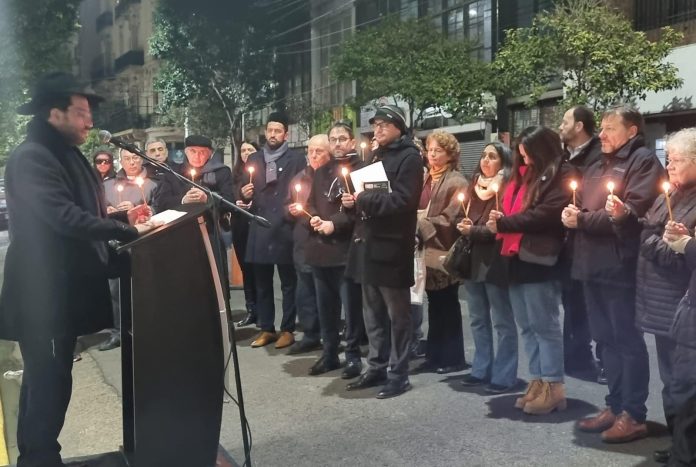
{"points": [[319, 140], [155, 140], [683, 142]]}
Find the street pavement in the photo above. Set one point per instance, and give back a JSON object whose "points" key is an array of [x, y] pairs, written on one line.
{"points": [[303, 420]]}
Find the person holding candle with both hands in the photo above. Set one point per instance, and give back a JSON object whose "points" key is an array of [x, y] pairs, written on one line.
{"points": [[532, 234], [487, 294], [663, 274], [607, 232]]}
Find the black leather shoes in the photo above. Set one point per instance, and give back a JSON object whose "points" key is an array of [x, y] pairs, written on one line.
{"points": [[322, 366], [304, 346], [471, 380], [425, 367], [498, 389], [111, 343], [602, 376], [662, 455], [248, 320], [443, 370], [352, 370], [367, 380], [394, 388]]}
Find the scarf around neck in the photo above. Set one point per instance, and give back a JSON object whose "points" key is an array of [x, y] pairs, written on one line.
{"points": [[270, 156], [483, 186], [513, 200]]}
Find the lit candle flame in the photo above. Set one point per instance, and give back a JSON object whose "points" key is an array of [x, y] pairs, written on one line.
{"points": [[119, 188], [251, 170], [139, 181], [298, 187], [610, 187], [495, 187], [666, 186], [193, 173], [363, 145], [460, 197], [344, 171], [573, 185]]}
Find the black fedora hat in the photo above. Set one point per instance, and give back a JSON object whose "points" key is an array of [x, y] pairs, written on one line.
{"points": [[56, 85]]}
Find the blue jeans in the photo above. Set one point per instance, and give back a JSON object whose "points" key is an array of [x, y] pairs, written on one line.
{"points": [[489, 309], [536, 309]]}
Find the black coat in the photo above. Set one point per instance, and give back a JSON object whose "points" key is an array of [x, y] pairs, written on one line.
{"points": [[214, 175], [300, 224], [57, 264], [383, 254], [272, 245], [601, 255], [487, 265], [662, 275], [325, 201], [542, 220]]}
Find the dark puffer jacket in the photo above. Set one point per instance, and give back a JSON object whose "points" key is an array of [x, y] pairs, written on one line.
{"points": [[662, 274]]}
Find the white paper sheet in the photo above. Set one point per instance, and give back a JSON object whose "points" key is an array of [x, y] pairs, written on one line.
{"points": [[371, 173], [167, 216]]}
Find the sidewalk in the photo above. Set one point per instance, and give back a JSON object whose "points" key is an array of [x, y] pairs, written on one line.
{"points": [[312, 421]]}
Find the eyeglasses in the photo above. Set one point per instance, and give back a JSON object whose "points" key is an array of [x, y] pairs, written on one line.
{"points": [[340, 139], [380, 125], [131, 158], [102, 162]]}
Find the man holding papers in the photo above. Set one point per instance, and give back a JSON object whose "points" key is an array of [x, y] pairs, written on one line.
{"points": [[381, 254]]}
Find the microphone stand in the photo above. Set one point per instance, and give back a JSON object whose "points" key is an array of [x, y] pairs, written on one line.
{"points": [[217, 199]]}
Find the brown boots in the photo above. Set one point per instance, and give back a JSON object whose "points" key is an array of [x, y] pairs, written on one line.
{"points": [[533, 391], [542, 398]]}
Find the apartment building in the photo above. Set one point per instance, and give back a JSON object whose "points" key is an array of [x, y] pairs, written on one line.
{"points": [[112, 48]]}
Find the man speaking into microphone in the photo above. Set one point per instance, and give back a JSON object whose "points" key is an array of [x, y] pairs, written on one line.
{"points": [[57, 265]]}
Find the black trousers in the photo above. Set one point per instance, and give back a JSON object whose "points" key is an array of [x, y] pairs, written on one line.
{"points": [[683, 392], [43, 399], [239, 242], [265, 300], [611, 310], [445, 346], [577, 341]]}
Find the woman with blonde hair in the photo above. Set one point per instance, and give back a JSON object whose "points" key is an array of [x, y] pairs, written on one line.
{"points": [[437, 230]]}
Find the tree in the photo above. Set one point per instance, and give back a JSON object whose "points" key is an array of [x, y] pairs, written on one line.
{"points": [[210, 63], [35, 37], [411, 59], [594, 51]]}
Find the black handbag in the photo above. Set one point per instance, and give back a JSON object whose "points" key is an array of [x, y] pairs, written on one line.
{"points": [[457, 262]]}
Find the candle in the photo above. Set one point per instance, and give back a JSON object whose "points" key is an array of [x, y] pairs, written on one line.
{"points": [[495, 187], [573, 186], [298, 188], [299, 207], [251, 173], [344, 172], [140, 182], [610, 187], [119, 189], [363, 145], [461, 197], [193, 174], [666, 186]]}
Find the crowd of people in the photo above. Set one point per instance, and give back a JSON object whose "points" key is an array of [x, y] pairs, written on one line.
{"points": [[571, 219]]}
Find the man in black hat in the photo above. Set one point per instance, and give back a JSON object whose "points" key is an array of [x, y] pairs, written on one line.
{"points": [[274, 167], [56, 271], [381, 254]]}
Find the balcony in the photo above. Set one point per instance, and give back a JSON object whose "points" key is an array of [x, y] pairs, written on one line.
{"points": [[132, 57], [652, 14], [98, 70], [122, 6], [104, 20]]}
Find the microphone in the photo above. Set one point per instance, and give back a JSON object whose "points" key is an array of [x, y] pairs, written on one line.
{"points": [[106, 137]]}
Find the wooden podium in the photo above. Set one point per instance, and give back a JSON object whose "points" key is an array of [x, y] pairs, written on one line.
{"points": [[174, 338]]}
